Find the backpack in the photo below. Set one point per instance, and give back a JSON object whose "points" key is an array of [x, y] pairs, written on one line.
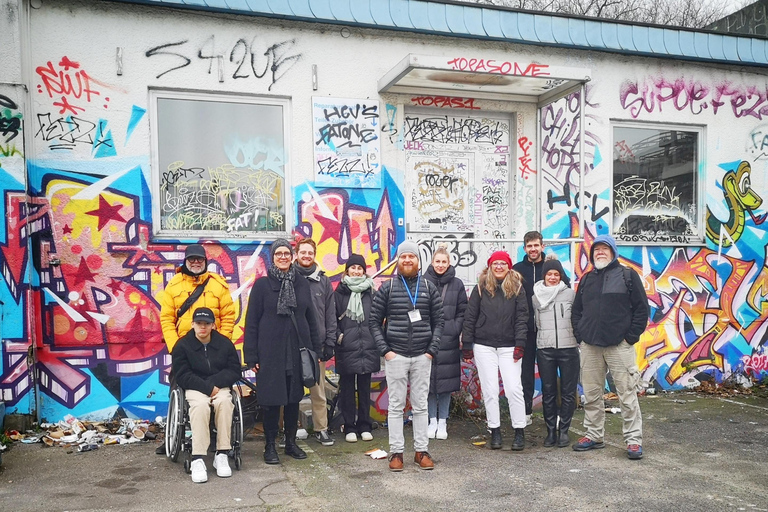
{"points": [[627, 280]]}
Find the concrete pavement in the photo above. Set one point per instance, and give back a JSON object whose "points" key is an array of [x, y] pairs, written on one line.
{"points": [[702, 453]]}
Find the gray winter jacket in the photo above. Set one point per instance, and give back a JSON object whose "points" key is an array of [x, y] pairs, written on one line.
{"points": [[553, 320], [324, 305]]}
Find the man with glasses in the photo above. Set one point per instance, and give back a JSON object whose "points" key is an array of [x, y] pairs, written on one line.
{"points": [[530, 268], [213, 293], [609, 315], [325, 315]]}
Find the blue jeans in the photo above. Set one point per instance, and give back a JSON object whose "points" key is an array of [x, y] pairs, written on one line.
{"points": [[438, 405]]}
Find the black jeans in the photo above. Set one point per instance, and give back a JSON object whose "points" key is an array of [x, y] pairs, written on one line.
{"points": [[567, 361], [347, 390], [528, 375], [272, 420]]}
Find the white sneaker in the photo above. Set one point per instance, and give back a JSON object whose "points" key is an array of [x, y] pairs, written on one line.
{"points": [[221, 463], [199, 471], [351, 437], [528, 419], [367, 436], [442, 430], [301, 434], [432, 428]]}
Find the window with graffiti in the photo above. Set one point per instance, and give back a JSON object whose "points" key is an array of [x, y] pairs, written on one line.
{"points": [[656, 183], [219, 165]]}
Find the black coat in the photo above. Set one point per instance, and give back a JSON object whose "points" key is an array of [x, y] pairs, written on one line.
{"points": [[446, 367], [270, 339], [356, 351], [531, 272], [203, 367], [392, 303], [496, 321]]}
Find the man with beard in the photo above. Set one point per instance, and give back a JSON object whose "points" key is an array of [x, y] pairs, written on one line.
{"points": [[530, 267], [609, 315], [325, 314], [413, 312]]}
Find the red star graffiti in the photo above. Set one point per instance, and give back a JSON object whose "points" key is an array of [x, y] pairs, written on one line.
{"points": [[83, 273], [67, 230], [106, 212], [115, 286]]}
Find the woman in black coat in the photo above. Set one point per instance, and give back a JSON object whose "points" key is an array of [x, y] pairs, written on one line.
{"points": [[357, 356], [271, 345], [446, 367]]}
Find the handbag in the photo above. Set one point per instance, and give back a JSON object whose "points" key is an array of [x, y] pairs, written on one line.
{"points": [[310, 368]]}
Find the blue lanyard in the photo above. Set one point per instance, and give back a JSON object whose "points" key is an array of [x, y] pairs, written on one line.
{"points": [[408, 290]]}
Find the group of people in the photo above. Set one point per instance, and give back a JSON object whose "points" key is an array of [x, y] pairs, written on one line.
{"points": [[422, 325]]}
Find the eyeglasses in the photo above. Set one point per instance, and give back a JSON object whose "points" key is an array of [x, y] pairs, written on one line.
{"points": [[195, 259], [500, 264], [282, 254]]}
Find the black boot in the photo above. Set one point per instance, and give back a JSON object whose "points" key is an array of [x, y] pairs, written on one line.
{"points": [[270, 450], [291, 448], [551, 438], [519, 442], [563, 440], [496, 438]]}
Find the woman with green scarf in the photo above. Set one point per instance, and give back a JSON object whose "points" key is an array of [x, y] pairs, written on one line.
{"points": [[356, 354]]}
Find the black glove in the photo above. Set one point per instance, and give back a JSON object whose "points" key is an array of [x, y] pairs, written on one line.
{"points": [[327, 353]]}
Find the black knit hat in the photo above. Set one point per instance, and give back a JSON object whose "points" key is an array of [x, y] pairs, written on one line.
{"points": [[356, 259], [554, 264]]}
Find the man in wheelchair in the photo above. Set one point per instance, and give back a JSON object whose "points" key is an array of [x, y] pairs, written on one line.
{"points": [[206, 365]]}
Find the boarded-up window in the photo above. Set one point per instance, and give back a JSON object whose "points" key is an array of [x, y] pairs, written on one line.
{"points": [[220, 165]]}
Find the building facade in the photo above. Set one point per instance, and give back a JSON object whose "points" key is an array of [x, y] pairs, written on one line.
{"points": [[131, 129]]}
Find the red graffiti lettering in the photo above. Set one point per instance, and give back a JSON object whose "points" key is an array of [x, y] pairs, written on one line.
{"points": [[445, 102], [525, 158], [500, 68]]}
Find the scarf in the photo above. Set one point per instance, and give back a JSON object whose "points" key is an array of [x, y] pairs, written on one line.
{"points": [[357, 285], [312, 273], [286, 301], [441, 279], [546, 294]]}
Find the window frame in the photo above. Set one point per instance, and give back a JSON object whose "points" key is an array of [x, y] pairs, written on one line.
{"points": [[698, 190], [156, 94]]}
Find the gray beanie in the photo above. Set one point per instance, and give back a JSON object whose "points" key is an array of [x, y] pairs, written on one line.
{"points": [[280, 242], [408, 246]]}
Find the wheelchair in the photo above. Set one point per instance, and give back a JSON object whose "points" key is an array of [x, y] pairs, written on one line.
{"points": [[178, 432]]}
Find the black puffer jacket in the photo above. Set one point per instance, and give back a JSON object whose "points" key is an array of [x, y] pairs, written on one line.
{"points": [[531, 273], [446, 367], [201, 367], [402, 337], [496, 321], [356, 351]]}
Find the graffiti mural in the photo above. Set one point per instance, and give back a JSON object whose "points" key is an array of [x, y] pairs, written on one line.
{"points": [[741, 200]]}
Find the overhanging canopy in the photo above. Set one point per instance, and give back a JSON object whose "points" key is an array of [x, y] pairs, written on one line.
{"points": [[509, 80]]}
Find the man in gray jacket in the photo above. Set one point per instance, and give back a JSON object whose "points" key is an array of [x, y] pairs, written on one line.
{"points": [[413, 311], [325, 314]]}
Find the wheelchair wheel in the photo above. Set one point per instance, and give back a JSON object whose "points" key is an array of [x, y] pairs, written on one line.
{"points": [[237, 430], [187, 465], [174, 435]]}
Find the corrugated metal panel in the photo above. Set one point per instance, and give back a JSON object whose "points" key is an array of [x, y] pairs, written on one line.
{"points": [[483, 22], [300, 8], [342, 11], [398, 9], [454, 15], [560, 31], [321, 9], [380, 13], [473, 20], [543, 27], [419, 14], [436, 13], [640, 39], [492, 23], [509, 25], [361, 10]]}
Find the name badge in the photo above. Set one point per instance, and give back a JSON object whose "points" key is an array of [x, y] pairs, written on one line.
{"points": [[414, 315]]}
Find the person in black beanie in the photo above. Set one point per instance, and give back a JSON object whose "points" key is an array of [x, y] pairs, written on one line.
{"points": [[357, 356]]}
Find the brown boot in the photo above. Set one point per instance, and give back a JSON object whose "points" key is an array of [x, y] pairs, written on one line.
{"points": [[396, 462], [424, 460]]}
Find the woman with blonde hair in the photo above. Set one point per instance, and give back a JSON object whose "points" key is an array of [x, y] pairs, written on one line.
{"points": [[446, 367], [495, 332]]}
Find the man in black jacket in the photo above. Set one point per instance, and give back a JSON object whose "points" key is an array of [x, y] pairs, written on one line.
{"points": [[413, 311], [325, 314], [206, 365], [530, 268], [609, 315]]}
